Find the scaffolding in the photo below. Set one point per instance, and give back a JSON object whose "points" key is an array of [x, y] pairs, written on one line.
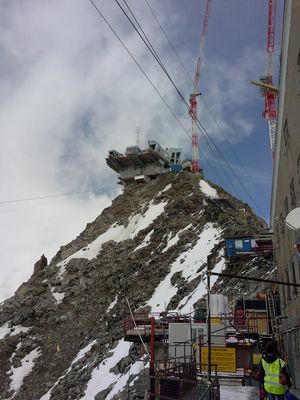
{"points": [[188, 360]]}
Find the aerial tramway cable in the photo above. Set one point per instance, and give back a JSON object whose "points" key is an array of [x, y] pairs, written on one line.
{"points": [[202, 98], [149, 80], [200, 125]]}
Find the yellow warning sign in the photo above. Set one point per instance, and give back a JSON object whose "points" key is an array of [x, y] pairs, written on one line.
{"points": [[223, 357], [256, 358], [215, 320]]}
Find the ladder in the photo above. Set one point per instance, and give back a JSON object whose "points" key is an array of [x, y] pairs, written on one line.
{"points": [[273, 318], [263, 339]]}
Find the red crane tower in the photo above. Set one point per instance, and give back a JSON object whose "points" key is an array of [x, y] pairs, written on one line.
{"points": [[270, 111], [193, 96], [266, 82]]}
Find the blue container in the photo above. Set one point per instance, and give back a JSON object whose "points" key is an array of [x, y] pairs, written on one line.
{"points": [[175, 167], [239, 245]]}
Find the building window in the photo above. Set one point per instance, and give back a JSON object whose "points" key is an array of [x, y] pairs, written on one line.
{"points": [[286, 134], [292, 193], [238, 244], [286, 206]]}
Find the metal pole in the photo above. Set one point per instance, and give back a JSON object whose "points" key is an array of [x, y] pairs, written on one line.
{"points": [[152, 370], [208, 320], [249, 278]]}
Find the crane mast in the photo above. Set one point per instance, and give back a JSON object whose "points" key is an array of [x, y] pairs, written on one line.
{"points": [[270, 110], [193, 96]]}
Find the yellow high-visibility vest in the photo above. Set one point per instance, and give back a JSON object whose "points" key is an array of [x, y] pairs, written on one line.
{"points": [[271, 381]]}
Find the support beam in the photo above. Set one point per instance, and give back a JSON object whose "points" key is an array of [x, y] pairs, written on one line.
{"points": [[249, 278], [265, 86]]}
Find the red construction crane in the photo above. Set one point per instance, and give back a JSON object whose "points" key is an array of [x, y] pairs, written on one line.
{"points": [[266, 82], [193, 96]]}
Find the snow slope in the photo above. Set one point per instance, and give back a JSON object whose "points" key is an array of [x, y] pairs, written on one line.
{"points": [[188, 263], [208, 190], [103, 379], [118, 233], [17, 374]]}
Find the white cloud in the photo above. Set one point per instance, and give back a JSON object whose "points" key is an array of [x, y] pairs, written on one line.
{"points": [[231, 95], [28, 231], [69, 93]]}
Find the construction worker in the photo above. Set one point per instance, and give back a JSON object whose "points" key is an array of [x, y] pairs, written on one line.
{"points": [[273, 375]]}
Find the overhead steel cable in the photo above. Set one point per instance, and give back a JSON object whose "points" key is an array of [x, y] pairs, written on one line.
{"points": [[149, 80], [154, 54], [139, 67], [157, 58], [198, 122], [201, 97], [151, 49], [234, 153], [171, 44], [44, 197]]}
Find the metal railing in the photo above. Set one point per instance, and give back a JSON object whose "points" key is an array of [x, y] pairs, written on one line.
{"points": [[179, 388], [212, 392]]}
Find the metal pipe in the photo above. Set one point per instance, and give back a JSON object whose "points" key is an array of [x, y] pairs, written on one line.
{"points": [[246, 278], [208, 320], [152, 359]]}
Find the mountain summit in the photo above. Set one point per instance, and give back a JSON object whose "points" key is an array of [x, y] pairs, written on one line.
{"points": [[61, 334]]}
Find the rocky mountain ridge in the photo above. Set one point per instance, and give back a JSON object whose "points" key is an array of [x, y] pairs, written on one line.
{"points": [[63, 327]]}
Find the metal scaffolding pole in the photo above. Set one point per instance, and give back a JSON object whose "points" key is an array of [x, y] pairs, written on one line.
{"points": [[209, 258], [249, 278]]}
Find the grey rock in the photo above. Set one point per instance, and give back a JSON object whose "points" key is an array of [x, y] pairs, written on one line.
{"points": [[59, 331]]}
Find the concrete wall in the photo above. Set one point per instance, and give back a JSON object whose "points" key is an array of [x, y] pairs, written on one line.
{"points": [[179, 340], [148, 169], [286, 182]]}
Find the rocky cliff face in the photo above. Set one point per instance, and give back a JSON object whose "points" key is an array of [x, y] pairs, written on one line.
{"points": [[61, 333]]}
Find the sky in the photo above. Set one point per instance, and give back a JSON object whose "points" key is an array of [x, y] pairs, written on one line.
{"points": [[69, 93]]}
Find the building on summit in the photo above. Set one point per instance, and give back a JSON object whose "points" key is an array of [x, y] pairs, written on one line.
{"points": [[144, 165]]}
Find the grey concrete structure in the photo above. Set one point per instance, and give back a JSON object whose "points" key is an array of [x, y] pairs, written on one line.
{"points": [[286, 185], [144, 165]]}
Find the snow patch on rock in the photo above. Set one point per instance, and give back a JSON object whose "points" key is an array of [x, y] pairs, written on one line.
{"points": [[174, 240], [186, 304], [112, 304], [145, 242], [78, 357], [208, 190], [14, 330], [188, 263], [19, 373], [117, 233], [102, 378], [58, 296]]}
